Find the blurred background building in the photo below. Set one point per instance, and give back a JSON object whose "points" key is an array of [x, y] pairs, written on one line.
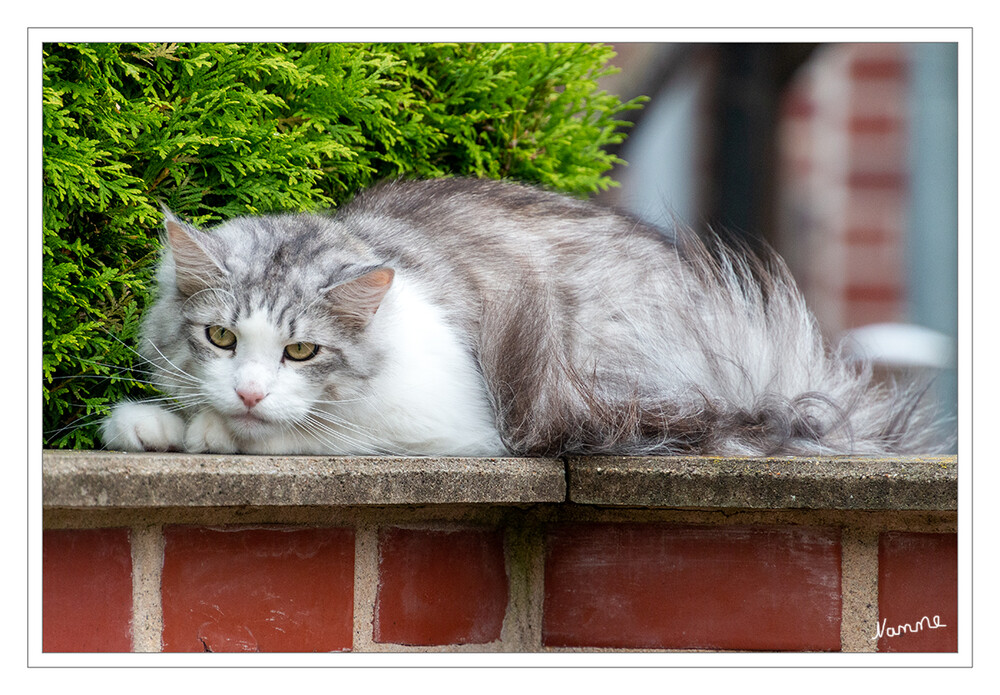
{"points": [[843, 157]]}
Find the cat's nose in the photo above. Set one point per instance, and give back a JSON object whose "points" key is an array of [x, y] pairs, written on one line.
{"points": [[250, 397]]}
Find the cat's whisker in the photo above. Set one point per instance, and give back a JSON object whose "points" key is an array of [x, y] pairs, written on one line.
{"points": [[177, 370], [332, 416], [125, 374], [335, 438], [178, 373], [114, 367], [344, 401], [156, 384], [396, 449], [334, 426], [50, 435], [217, 290]]}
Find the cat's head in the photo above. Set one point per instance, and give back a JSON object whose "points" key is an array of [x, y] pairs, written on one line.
{"points": [[270, 318]]}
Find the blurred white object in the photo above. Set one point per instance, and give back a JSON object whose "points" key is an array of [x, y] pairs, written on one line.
{"points": [[901, 345]]}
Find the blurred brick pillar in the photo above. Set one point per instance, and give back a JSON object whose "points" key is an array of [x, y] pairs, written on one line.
{"points": [[843, 183]]}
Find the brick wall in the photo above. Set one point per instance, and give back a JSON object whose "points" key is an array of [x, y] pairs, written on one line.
{"points": [[844, 183], [538, 577]]}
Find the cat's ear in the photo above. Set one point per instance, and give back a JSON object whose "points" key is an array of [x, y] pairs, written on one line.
{"points": [[355, 301], [195, 268]]}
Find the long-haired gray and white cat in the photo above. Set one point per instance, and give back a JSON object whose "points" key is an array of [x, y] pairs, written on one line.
{"points": [[478, 318]]}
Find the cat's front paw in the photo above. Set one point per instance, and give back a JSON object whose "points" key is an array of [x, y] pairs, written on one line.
{"points": [[142, 427], [208, 432]]}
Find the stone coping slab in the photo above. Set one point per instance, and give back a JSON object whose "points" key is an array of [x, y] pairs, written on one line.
{"points": [[93, 479], [848, 483], [116, 480]]}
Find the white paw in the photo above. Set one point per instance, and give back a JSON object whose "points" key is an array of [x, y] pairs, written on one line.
{"points": [[208, 432], [142, 427]]}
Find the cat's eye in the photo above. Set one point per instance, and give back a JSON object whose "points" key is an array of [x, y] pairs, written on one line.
{"points": [[301, 351], [221, 337]]}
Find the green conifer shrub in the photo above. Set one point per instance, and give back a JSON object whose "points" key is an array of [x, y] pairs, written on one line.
{"points": [[212, 131]]}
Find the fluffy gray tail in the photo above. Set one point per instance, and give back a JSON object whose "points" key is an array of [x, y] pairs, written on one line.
{"points": [[766, 383]]}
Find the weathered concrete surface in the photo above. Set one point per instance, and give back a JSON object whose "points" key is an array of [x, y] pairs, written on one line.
{"points": [[114, 480], [921, 483], [91, 479]]}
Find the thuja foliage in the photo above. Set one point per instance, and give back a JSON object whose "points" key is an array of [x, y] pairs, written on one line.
{"points": [[212, 131]]}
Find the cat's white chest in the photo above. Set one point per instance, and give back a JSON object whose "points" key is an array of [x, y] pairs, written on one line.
{"points": [[429, 395]]}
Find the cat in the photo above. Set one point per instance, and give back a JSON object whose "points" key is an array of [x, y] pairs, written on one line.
{"points": [[467, 317]]}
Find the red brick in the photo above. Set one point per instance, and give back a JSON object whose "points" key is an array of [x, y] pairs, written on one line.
{"points": [[881, 180], [798, 104], [873, 293], [440, 587], [86, 590], [648, 586], [877, 125], [865, 313], [884, 209], [870, 236], [918, 579], [875, 266], [875, 68], [798, 168], [254, 589], [878, 160]]}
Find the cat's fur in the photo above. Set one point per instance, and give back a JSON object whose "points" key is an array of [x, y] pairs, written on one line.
{"points": [[464, 317]]}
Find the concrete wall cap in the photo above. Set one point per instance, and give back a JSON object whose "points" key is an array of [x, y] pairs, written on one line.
{"points": [[115, 480], [838, 482], [91, 479]]}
